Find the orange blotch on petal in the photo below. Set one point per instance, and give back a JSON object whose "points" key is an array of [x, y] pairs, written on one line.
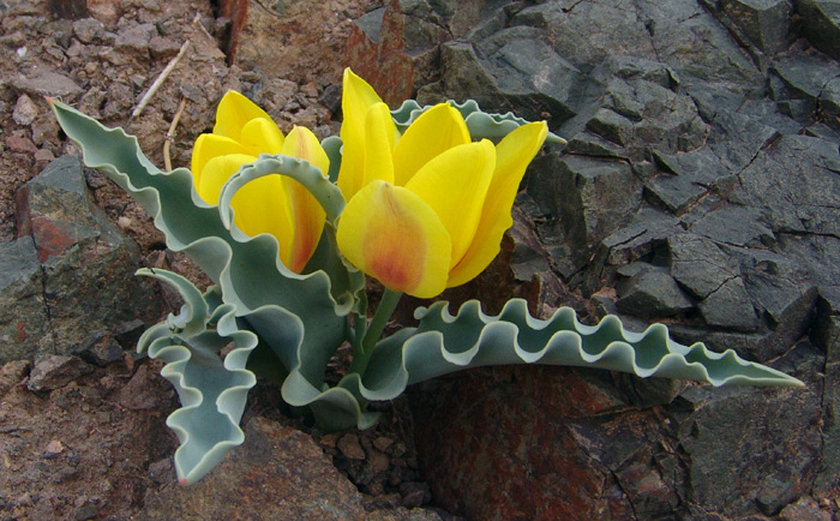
{"points": [[394, 236]]}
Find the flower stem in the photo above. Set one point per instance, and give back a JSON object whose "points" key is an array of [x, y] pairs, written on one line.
{"points": [[384, 310], [369, 335]]}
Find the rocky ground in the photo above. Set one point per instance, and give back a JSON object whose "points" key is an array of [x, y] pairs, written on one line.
{"points": [[700, 187]]}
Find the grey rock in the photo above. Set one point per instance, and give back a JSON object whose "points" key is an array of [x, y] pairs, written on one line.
{"points": [[606, 193], [772, 469], [829, 108], [47, 83], [80, 252], [650, 291], [88, 30], [821, 24], [729, 306], [586, 33], [675, 193], [25, 111], [135, 38], [765, 23], [737, 138], [24, 320], [700, 265], [802, 77], [54, 371], [735, 225], [540, 79], [637, 237], [796, 178]]}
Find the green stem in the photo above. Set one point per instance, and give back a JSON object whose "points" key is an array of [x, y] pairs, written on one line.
{"points": [[384, 310], [374, 330]]}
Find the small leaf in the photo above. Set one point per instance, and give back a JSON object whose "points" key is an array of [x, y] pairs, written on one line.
{"points": [[212, 389], [481, 124]]}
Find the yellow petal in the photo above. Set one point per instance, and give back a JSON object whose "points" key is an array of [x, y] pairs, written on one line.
{"points": [[439, 128], [356, 99], [208, 146], [261, 136], [307, 213], [216, 173], [455, 185], [392, 235], [262, 206], [379, 144], [513, 154], [302, 143], [233, 112]]}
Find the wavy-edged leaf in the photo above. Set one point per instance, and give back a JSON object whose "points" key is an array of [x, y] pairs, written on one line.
{"points": [[247, 269], [212, 389], [480, 124], [296, 315]]}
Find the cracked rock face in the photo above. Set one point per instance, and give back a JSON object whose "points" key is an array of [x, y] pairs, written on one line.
{"points": [[700, 186], [69, 275]]}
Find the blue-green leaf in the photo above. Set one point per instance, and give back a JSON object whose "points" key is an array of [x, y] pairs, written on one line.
{"points": [[480, 124]]}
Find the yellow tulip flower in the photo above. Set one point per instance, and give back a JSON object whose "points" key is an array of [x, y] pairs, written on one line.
{"points": [[273, 204], [426, 209]]}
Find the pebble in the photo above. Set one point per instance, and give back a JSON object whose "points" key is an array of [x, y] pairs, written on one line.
{"points": [[350, 447], [53, 449], [54, 371], [382, 443], [88, 30], [415, 494], [21, 144], [25, 111], [11, 373]]}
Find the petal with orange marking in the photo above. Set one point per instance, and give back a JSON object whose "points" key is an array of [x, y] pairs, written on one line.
{"points": [[392, 235]]}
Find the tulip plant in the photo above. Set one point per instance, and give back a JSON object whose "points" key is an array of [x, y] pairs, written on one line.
{"points": [[288, 228]]}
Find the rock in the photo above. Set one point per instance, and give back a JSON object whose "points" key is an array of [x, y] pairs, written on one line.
{"points": [[773, 470], [24, 320], [649, 291], [605, 194], [53, 371], [79, 252], [88, 30], [821, 24], [766, 23], [729, 306], [12, 373], [47, 83], [137, 394], [802, 192], [714, 277], [805, 509], [394, 47], [350, 448], [279, 473], [796, 77], [25, 111], [100, 349], [135, 38], [414, 494]]}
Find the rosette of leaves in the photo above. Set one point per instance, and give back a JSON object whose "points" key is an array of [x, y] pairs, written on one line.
{"points": [[269, 319]]}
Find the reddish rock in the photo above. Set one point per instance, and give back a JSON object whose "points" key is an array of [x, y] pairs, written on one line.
{"points": [[21, 144], [506, 444], [279, 473]]}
